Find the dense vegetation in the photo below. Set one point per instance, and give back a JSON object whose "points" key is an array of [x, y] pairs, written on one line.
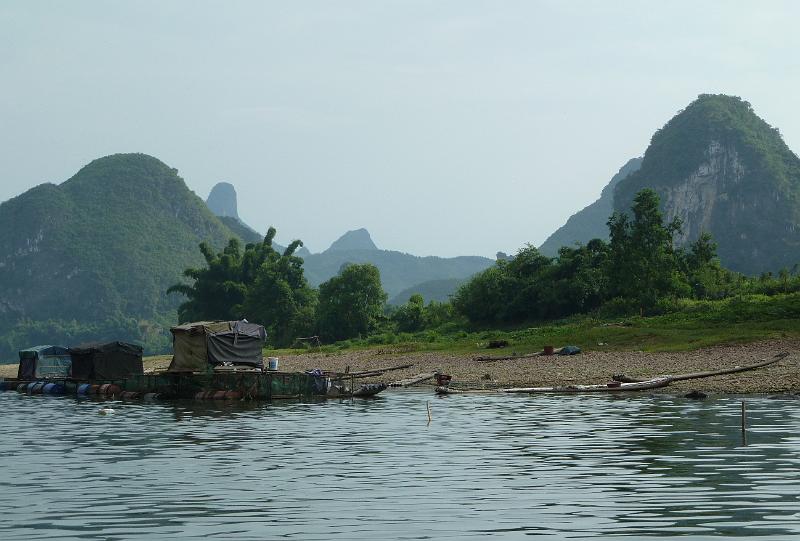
{"points": [[259, 284], [635, 270], [263, 285]]}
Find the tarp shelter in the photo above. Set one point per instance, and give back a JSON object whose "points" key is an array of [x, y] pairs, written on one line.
{"points": [[199, 346], [44, 362], [110, 360]]}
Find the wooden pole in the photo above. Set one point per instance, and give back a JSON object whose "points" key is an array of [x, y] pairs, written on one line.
{"points": [[744, 423]]}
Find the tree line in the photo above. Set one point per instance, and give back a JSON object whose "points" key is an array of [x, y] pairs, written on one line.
{"points": [[639, 270]]}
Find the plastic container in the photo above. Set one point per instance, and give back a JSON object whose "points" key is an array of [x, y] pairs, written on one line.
{"points": [[109, 389], [53, 388], [84, 388], [272, 363]]}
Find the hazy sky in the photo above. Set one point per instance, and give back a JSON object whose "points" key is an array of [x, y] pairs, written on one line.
{"points": [[443, 127]]}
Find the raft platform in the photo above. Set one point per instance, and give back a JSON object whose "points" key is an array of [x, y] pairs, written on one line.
{"points": [[212, 385]]}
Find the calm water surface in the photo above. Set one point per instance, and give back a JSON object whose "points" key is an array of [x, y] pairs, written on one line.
{"points": [[487, 466]]}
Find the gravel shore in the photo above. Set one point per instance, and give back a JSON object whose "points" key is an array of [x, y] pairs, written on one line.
{"points": [[585, 368]]}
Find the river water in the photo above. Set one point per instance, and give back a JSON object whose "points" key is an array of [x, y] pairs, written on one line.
{"points": [[511, 467]]}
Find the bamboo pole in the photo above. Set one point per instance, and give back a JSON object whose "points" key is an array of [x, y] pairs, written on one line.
{"points": [[697, 375], [744, 423]]}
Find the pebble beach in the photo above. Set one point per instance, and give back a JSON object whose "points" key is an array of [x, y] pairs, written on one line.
{"points": [[593, 367]]}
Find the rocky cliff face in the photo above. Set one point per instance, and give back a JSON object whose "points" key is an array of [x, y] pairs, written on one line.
{"points": [[222, 200], [705, 192], [589, 223], [723, 170]]}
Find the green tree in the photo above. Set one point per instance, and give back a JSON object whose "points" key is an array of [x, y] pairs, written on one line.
{"points": [[278, 295], [259, 284], [351, 303], [218, 290], [643, 265], [410, 316]]}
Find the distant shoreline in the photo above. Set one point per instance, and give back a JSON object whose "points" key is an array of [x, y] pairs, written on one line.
{"points": [[586, 368]]}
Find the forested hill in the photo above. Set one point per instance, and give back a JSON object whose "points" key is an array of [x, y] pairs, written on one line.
{"points": [[589, 223], [723, 170], [91, 258]]}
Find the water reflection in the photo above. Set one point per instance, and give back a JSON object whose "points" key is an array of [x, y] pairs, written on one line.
{"points": [[559, 467]]}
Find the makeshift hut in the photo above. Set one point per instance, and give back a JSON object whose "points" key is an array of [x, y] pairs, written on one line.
{"points": [[42, 362], [103, 361], [205, 344]]}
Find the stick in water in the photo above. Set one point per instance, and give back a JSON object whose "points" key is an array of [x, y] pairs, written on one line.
{"points": [[744, 423], [428, 404]]}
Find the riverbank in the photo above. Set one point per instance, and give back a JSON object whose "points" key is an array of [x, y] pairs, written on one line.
{"points": [[586, 368]]}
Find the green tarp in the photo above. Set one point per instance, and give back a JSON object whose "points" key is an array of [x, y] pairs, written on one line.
{"points": [[202, 345], [106, 361], [42, 362]]}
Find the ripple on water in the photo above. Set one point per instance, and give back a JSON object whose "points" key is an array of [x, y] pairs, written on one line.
{"points": [[505, 466]]}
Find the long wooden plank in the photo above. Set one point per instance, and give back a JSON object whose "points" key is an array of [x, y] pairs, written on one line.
{"points": [[413, 380], [601, 388], [710, 373]]}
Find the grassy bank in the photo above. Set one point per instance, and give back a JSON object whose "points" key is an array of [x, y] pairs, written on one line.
{"points": [[685, 326]]}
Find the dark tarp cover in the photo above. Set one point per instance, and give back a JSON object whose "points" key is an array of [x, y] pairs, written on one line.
{"points": [[111, 360], [197, 346], [44, 362]]}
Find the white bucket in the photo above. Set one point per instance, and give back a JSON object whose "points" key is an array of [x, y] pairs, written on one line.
{"points": [[273, 363]]}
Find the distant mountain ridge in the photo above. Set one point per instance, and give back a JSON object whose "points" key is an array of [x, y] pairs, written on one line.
{"points": [[358, 239], [399, 271], [589, 223]]}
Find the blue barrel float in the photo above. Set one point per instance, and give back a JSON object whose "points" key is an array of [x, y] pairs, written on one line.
{"points": [[53, 388], [83, 388]]}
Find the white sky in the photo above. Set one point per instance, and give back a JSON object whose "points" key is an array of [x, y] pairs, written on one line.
{"points": [[445, 128]]}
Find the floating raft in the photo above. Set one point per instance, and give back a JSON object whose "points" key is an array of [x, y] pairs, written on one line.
{"points": [[243, 385]]}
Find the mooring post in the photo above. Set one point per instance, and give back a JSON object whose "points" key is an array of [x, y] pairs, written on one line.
{"points": [[744, 423]]}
